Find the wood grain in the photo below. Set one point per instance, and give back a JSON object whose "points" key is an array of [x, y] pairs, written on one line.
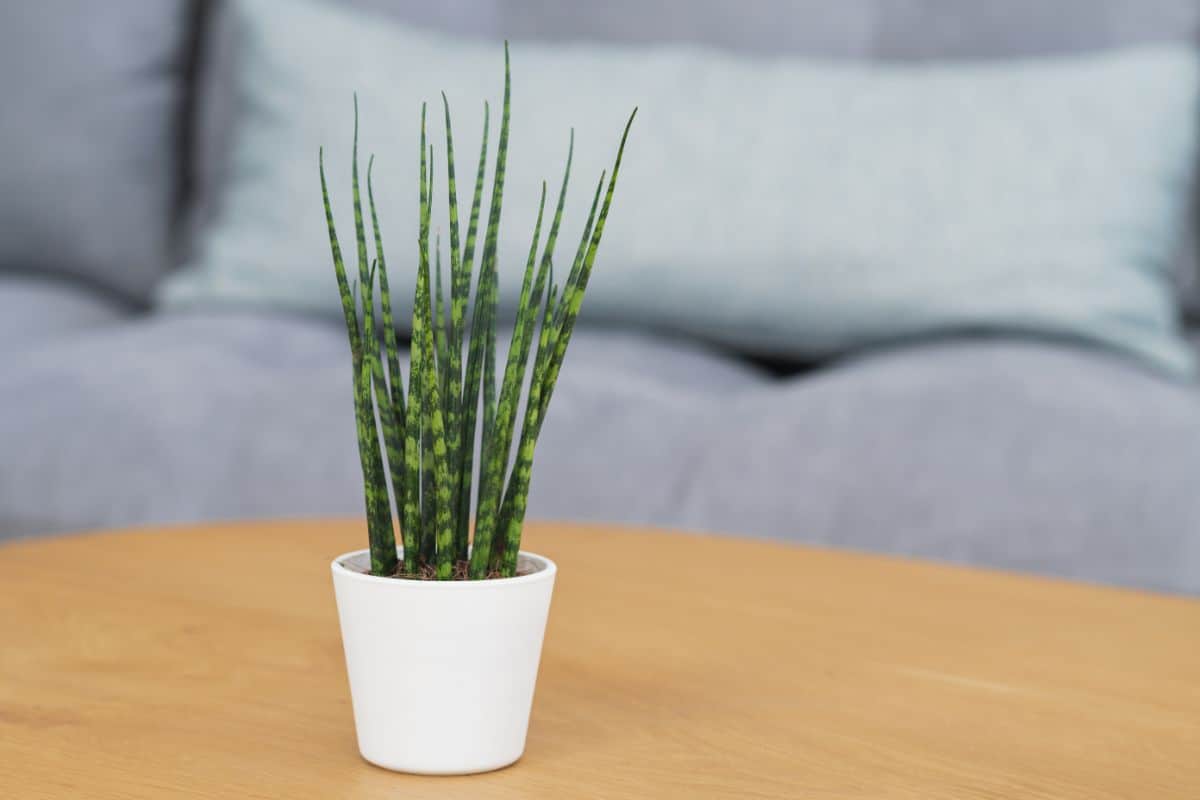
{"points": [[167, 663]]}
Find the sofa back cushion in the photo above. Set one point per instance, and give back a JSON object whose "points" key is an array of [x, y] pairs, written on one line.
{"points": [[89, 138], [786, 207], [895, 30], [862, 30]]}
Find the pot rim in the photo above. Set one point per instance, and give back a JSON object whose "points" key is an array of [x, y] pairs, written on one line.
{"points": [[546, 571]]}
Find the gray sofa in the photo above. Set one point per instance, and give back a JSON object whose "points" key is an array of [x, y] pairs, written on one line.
{"points": [[1005, 452]]}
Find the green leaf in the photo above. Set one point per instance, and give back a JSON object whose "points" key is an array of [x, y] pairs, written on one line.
{"points": [[577, 283], [391, 424], [381, 535], [439, 316], [512, 510], [471, 381], [439, 466], [460, 288], [514, 375], [429, 376], [485, 514], [500, 443], [339, 267], [389, 390], [395, 382], [412, 518], [438, 534], [485, 511]]}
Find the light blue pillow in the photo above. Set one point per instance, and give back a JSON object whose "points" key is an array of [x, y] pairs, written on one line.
{"points": [[785, 207]]}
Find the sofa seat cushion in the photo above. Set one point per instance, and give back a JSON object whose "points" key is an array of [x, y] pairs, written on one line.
{"points": [[1015, 455], [1003, 453], [36, 310], [209, 416]]}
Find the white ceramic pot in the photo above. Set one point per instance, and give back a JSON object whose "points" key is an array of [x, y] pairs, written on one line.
{"points": [[442, 672]]}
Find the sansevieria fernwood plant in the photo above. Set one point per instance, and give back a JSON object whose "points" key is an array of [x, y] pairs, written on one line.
{"points": [[424, 439]]}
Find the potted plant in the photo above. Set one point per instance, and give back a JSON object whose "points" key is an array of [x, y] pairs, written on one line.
{"points": [[443, 630]]}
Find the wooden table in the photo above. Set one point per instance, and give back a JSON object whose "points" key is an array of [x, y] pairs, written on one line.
{"points": [[205, 662]]}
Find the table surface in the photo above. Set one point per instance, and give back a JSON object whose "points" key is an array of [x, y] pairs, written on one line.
{"points": [[205, 662]]}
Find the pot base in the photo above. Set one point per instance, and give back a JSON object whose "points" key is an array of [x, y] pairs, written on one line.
{"points": [[408, 769]]}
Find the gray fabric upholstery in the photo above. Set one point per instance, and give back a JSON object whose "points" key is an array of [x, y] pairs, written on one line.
{"points": [[191, 417], [1011, 454], [1003, 453], [88, 136], [34, 311], [211, 416]]}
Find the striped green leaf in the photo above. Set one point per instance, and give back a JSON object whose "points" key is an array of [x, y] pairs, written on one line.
{"points": [[460, 288], [391, 344], [500, 442], [391, 419], [512, 510], [381, 536], [486, 510], [578, 281], [471, 381]]}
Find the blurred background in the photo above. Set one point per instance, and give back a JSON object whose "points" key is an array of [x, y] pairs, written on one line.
{"points": [[911, 276]]}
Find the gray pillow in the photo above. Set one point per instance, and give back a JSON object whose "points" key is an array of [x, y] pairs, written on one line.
{"points": [[905, 30], [93, 96], [856, 204]]}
